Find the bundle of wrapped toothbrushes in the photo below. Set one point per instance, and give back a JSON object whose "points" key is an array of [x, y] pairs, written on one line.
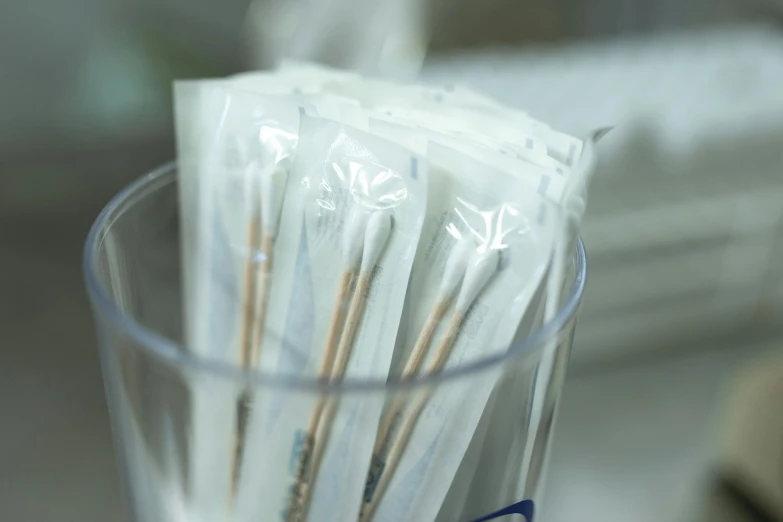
{"points": [[343, 228]]}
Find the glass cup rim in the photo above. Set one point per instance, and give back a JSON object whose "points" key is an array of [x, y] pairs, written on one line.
{"points": [[173, 353]]}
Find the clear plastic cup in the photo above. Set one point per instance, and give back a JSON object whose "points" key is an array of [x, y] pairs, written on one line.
{"points": [[154, 385]]}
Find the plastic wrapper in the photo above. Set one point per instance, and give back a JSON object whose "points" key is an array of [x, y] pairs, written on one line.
{"points": [[341, 181], [506, 225], [338, 227], [234, 160], [548, 182]]}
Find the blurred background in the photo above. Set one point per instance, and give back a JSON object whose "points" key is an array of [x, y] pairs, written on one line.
{"points": [[669, 392]]}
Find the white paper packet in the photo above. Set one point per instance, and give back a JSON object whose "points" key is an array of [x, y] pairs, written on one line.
{"points": [[567, 232], [376, 93], [232, 143], [511, 141], [489, 490], [297, 78], [198, 111], [495, 211], [545, 174], [491, 448], [311, 88], [450, 108], [234, 148], [562, 147], [476, 123], [548, 182], [339, 172], [431, 106], [455, 107]]}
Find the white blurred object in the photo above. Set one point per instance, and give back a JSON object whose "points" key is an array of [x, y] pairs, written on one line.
{"points": [[685, 229], [386, 37]]}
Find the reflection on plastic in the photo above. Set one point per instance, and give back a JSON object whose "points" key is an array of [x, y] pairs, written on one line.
{"points": [[372, 185], [524, 508]]}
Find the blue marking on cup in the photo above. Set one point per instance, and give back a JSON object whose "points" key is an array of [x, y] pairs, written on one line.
{"points": [[524, 508]]}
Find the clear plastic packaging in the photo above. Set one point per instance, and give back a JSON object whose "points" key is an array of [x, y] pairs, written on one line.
{"points": [[340, 230], [546, 181], [509, 231], [352, 218], [235, 161], [154, 380]]}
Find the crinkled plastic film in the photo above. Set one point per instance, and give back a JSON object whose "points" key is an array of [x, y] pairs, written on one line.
{"points": [[337, 227]]}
